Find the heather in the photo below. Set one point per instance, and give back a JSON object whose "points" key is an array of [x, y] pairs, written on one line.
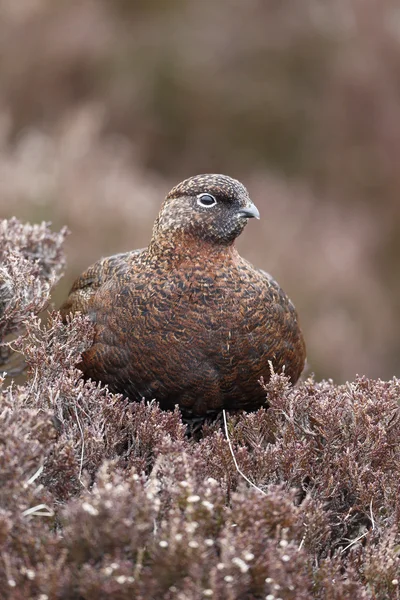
{"points": [[102, 498]]}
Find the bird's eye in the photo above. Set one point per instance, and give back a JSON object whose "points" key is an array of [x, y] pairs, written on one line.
{"points": [[206, 200]]}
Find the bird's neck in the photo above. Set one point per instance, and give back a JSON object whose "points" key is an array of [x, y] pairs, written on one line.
{"points": [[180, 247]]}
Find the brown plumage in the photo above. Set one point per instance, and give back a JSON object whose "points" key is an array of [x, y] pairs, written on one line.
{"points": [[187, 320]]}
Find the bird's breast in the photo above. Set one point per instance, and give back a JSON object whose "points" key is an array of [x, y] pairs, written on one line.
{"points": [[200, 312]]}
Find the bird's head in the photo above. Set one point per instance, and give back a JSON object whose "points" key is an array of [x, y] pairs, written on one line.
{"points": [[212, 208]]}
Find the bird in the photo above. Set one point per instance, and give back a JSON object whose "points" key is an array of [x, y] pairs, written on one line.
{"points": [[187, 321]]}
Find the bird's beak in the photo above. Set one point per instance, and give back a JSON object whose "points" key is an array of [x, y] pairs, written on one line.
{"points": [[250, 212]]}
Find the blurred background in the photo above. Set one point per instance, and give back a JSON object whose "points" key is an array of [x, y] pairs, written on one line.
{"points": [[106, 104]]}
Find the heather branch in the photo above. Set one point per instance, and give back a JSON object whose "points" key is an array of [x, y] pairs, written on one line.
{"points": [[32, 261]]}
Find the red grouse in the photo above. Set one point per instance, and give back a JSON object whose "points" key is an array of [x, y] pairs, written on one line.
{"points": [[187, 320]]}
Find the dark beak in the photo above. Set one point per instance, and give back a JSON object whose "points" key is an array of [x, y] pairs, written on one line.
{"points": [[250, 212]]}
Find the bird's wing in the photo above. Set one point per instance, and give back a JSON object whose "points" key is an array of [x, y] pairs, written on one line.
{"points": [[91, 280]]}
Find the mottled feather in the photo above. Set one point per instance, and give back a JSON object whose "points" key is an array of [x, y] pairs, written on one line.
{"points": [[187, 320]]}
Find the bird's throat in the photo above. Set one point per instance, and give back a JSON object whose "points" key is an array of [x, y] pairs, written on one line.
{"points": [[181, 247]]}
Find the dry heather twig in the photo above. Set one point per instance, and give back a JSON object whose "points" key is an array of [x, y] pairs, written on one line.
{"points": [[31, 262]]}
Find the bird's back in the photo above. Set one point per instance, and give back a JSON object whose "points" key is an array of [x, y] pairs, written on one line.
{"points": [[91, 280]]}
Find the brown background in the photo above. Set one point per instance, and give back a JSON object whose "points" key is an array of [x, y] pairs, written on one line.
{"points": [[104, 105]]}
